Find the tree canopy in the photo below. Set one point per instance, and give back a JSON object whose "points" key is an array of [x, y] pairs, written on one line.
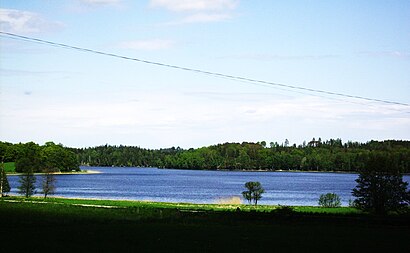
{"points": [[38, 158], [380, 186], [315, 155], [254, 192]]}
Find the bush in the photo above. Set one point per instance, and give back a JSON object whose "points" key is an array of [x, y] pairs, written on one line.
{"points": [[329, 200], [284, 210]]}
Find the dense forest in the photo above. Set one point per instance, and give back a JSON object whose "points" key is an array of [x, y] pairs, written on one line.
{"points": [[316, 155], [31, 156]]}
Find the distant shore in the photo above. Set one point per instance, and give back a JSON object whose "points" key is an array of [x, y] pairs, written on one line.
{"points": [[62, 173]]}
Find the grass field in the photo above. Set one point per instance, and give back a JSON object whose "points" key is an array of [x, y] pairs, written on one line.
{"points": [[70, 225], [10, 167]]}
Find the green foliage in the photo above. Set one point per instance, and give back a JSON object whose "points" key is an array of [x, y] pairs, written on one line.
{"points": [[315, 155], [57, 158], [254, 192], [331, 155], [329, 200], [38, 158], [380, 186], [29, 158]]}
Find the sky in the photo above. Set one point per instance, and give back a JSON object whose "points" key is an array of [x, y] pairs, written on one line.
{"points": [[354, 47]]}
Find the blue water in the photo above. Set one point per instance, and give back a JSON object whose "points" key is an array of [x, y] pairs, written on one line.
{"points": [[193, 186]]}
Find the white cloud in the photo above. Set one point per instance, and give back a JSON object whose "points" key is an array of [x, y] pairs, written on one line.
{"points": [[25, 22], [198, 11], [206, 17], [393, 54], [195, 5], [169, 118], [155, 44], [101, 2], [278, 57]]}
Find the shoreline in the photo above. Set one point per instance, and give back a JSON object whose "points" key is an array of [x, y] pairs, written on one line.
{"points": [[235, 170], [82, 172]]}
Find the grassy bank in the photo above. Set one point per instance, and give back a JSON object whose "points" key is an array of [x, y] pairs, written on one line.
{"points": [[10, 167], [128, 226], [186, 206]]}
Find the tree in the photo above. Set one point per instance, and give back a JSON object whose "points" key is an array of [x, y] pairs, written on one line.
{"points": [[4, 183], [59, 158], [254, 192], [48, 186], [329, 200], [27, 183], [380, 186], [29, 157]]}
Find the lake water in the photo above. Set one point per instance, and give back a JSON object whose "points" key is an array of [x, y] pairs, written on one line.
{"points": [[194, 186]]}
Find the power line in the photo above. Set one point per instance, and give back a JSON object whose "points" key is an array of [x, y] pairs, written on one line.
{"points": [[216, 74]]}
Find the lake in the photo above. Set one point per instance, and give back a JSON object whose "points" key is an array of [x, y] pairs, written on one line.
{"points": [[194, 186]]}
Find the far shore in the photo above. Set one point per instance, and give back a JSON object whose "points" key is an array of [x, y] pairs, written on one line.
{"points": [[234, 170], [240, 170], [62, 173]]}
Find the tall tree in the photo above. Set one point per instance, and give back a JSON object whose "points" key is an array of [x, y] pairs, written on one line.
{"points": [[4, 183], [380, 186], [27, 183], [48, 184]]}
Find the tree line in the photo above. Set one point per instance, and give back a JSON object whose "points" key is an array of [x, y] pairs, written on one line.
{"points": [[331, 155], [49, 157], [315, 155]]}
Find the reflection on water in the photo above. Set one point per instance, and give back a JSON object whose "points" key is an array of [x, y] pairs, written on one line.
{"points": [[285, 188]]}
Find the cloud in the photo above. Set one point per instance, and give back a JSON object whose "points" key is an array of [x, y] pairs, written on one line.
{"points": [[21, 72], [25, 22], [167, 118], [198, 11], [273, 57], [205, 18], [155, 44], [101, 2], [195, 5], [84, 6], [392, 54]]}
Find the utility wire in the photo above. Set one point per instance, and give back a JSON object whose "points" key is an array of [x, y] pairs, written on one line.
{"points": [[216, 74]]}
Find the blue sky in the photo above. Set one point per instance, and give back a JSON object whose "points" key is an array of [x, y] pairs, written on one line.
{"points": [[80, 99]]}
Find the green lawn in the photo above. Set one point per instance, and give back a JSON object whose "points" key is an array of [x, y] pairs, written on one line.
{"points": [[62, 225], [196, 207], [10, 167]]}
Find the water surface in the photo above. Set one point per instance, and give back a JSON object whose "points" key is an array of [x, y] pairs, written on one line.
{"points": [[194, 186]]}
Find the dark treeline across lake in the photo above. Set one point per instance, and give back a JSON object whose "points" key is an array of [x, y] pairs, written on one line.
{"points": [[316, 155], [195, 186]]}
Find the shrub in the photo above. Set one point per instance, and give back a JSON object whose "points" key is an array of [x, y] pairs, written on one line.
{"points": [[329, 200], [284, 210]]}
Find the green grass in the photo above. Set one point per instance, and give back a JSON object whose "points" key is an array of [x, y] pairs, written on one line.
{"points": [[10, 167], [194, 207], [60, 225]]}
